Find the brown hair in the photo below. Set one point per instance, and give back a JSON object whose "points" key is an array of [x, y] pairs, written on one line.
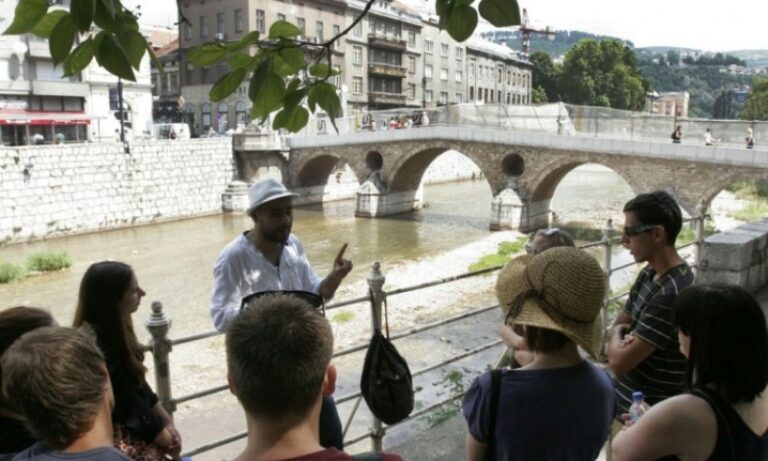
{"points": [[277, 354], [16, 321], [543, 340], [101, 290], [56, 379]]}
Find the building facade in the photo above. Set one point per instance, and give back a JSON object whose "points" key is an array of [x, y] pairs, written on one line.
{"points": [[167, 103]]}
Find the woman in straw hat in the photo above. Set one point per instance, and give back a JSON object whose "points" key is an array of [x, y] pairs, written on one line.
{"points": [[724, 414], [560, 406]]}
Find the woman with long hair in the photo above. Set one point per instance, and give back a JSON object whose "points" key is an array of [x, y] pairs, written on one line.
{"points": [[14, 322], [724, 414], [109, 294]]}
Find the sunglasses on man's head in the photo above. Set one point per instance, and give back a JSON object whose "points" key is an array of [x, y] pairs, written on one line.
{"points": [[639, 229]]}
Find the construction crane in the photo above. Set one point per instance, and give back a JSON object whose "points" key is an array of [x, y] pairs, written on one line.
{"points": [[526, 31]]}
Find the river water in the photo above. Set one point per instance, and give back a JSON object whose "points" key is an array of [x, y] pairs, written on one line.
{"points": [[173, 260]]}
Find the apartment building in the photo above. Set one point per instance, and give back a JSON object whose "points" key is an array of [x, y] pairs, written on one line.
{"points": [[496, 74], [167, 104], [444, 67], [230, 20]]}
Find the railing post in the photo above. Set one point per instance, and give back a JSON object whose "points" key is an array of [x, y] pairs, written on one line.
{"points": [[376, 283], [701, 212], [158, 325], [608, 239]]}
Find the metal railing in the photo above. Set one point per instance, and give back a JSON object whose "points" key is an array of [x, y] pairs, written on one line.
{"points": [[161, 346]]}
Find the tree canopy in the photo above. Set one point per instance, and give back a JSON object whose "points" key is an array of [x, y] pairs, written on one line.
{"points": [[286, 75], [756, 107], [544, 76]]}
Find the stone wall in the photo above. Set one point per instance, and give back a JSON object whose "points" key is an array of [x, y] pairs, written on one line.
{"points": [[56, 190], [738, 256]]}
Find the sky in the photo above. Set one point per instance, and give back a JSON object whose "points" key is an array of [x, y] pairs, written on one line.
{"points": [[709, 26]]}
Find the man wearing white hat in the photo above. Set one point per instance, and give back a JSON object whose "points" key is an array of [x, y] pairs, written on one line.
{"points": [[269, 257]]}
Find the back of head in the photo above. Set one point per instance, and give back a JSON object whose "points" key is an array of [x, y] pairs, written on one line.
{"points": [[56, 379], [552, 237], [728, 340], [278, 350], [658, 208], [16, 321]]}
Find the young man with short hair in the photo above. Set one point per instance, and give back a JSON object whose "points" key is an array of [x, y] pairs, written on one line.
{"points": [[279, 368], [57, 379], [643, 349]]}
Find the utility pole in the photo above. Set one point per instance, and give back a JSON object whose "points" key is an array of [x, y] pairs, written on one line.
{"points": [[526, 31]]}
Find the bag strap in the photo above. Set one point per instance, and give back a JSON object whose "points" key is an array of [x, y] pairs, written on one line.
{"points": [[367, 456], [722, 422], [386, 315], [493, 410]]}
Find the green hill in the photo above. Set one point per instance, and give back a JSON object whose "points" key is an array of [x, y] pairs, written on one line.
{"points": [[556, 46], [754, 58]]}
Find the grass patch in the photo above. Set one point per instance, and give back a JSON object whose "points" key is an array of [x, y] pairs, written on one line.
{"points": [[343, 317], [10, 272], [505, 251], [49, 261], [751, 212], [454, 382], [749, 189]]}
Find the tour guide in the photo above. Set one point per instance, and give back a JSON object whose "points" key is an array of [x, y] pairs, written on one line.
{"points": [[269, 257]]}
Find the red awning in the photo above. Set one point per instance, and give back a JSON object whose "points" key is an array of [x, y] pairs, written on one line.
{"points": [[22, 117]]}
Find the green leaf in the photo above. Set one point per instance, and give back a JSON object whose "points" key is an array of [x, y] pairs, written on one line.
{"points": [[442, 7], [106, 17], [461, 23], [294, 98], [239, 60], [26, 16], [249, 39], [293, 119], [134, 45], [322, 70], [82, 12], [227, 84], [44, 28], [109, 8], [206, 54], [500, 13], [62, 38], [326, 97], [283, 29], [288, 61], [266, 90], [111, 56], [294, 85], [80, 57], [312, 99], [153, 58]]}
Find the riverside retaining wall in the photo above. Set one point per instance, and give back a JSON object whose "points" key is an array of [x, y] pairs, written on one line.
{"points": [[64, 189]]}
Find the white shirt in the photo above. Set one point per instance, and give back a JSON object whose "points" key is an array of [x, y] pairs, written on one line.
{"points": [[242, 269]]}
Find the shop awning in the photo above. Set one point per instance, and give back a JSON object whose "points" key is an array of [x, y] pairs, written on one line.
{"points": [[44, 118]]}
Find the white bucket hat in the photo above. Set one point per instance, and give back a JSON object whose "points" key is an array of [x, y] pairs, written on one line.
{"points": [[265, 191]]}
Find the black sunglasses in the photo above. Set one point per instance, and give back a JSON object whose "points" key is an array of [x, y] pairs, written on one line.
{"points": [[312, 299], [639, 229]]}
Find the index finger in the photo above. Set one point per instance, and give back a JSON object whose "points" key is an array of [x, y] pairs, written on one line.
{"points": [[341, 252]]}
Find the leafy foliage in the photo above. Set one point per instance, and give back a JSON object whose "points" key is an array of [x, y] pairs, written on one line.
{"points": [[545, 76], [756, 107], [10, 272], [558, 45], [48, 261], [505, 252], [286, 75]]}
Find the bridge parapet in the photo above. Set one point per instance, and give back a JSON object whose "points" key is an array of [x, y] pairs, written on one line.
{"points": [[738, 256]]}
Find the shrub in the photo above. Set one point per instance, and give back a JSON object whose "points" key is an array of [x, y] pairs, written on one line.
{"points": [[48, 261], [505, 251], [751, 212], [10, 272]]}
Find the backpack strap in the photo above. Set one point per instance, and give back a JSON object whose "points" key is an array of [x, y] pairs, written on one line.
{"points": [[367, 456], [493, 410], [716, 403]]}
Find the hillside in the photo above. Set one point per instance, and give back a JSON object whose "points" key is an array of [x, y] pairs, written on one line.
{"points": [[559, 45], [754, 58]]}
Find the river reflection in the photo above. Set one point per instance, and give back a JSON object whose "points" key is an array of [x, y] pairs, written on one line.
{"points": [[173, 260]]}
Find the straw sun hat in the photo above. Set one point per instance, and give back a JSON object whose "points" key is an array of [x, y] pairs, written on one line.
{"points": [[559, 289]]}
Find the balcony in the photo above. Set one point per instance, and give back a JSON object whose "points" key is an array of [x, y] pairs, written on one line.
{"points": [[396, 99], [386, 41], [388, 70]]}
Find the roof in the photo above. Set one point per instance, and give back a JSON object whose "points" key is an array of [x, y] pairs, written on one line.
{"points": [[168, 48], [159, 37], [482, 45]]}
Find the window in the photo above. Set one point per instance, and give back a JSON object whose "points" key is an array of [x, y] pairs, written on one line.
{"points": [[472, 69], [428, 46], [499, 75], [173, 82], [509, 78], [203, 27], [459, 76], [459, 98], [357, 55], [238, 21], [443, 73], [428, 71], [190, 73], [428, 95], [445, 49], [302, 23], [471, 93], [336, 32], [204, 75], [261, 23], [357, 85], [280, 17], [319, 31], [459, 54], [357, 31], [187, 32], [221, 24], [443, 97], [336, 79], [412, 90], [412, 38], [411, 64]]}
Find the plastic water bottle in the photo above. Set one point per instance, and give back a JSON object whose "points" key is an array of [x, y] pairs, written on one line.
{"points": [[638, 407]]}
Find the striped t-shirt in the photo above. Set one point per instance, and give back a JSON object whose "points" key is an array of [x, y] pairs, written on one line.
{"points": [[661, 374]]}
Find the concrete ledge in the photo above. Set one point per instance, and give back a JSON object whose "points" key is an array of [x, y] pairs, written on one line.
{"points": [[738, 256]]}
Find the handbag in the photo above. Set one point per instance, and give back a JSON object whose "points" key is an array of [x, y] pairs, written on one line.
{"points": [[136, 448]]}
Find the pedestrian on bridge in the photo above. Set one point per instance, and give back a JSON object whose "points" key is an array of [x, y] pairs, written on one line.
{"points": [[677, 135], [268, 257]]}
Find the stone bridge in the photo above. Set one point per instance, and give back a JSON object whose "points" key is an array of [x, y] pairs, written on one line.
{"points": [[523, 168]]}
